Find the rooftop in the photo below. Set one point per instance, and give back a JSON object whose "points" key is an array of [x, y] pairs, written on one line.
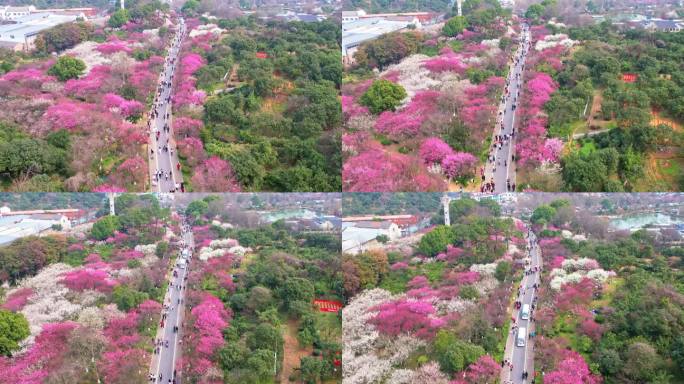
{"points": [[30, 25], [356, 32], [15, 227]]}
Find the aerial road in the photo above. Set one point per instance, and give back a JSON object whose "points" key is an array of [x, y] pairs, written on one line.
{"points": [[168, 339], [164, 168], [499, 173], [518, 366]]}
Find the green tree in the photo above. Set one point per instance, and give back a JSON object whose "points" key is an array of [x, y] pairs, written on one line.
{"points": [[27, 255], [118, 18], [105, 227], [25, 156], [454, 26], [259, 299], [311, 368], [382, 239], [387, 49], [383, 95], [631, 165], [127, 298], [436, 240], [461, 207], [265, 337], [503, 271], [297, 289], [610, 362], [260, 363], [642, 362], [232, 356], [534, 12], [67, 67], [196, 209], [584, 173], [455, 355], [543, 214], [13, 328], [190, 7], [678, 351], [162, 249]]}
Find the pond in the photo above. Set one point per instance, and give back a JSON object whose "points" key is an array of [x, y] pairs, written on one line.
{"points": [[636, 222], [288, 214]]}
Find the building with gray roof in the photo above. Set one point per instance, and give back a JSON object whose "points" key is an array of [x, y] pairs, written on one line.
{"points": [[354, 33], [21, 34], [16, 227]]}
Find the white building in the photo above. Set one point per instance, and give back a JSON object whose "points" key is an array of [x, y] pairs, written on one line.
{"points": [[15, 227], [348, 16], [8, 12], [361, 236]]}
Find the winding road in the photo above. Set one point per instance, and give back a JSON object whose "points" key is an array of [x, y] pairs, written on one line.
{"points": [[500, 170], [169, 333], [522, 358], [164, 169]]}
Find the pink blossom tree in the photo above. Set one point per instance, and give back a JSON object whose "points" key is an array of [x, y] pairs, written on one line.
{"points": [[86, 278], [18, 299], [407, 122], [122, 365], [132, 172], [445, 63], [572, 370], [208, 319], [575, 296], [89, 84], [351, 109], [43, 357], [127, 108], [187, 127], [377, 170], [215, 175], [190, 63], [434, 150], [459, 165], [411, 317], [69, 115], [112, 46], [484, 371], [418, 282], [192, 149]]}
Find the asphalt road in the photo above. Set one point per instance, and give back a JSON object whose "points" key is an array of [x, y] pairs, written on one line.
{"points": [[162, 146], [501, 170], [170, 347], [522, 358]]}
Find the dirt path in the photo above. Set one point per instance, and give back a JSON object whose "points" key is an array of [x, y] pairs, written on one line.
{"points": [[292, 351], [595, 109], [657, 119]]}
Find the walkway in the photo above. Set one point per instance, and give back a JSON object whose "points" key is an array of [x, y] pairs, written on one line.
{"points": [[168, 345], [164, 168], [498, 168], [522, 357]]}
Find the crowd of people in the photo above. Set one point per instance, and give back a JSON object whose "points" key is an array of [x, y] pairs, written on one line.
{"points": [[498, 157], [530, 270], [171, 303], [161, 140]]}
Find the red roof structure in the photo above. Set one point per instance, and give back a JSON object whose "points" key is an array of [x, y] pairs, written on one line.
{"points": [[328, 305], [262, 55], [629, 77]]}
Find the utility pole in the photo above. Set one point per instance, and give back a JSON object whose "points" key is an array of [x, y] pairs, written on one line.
{"points": [[111, 197], [445, 204]]}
